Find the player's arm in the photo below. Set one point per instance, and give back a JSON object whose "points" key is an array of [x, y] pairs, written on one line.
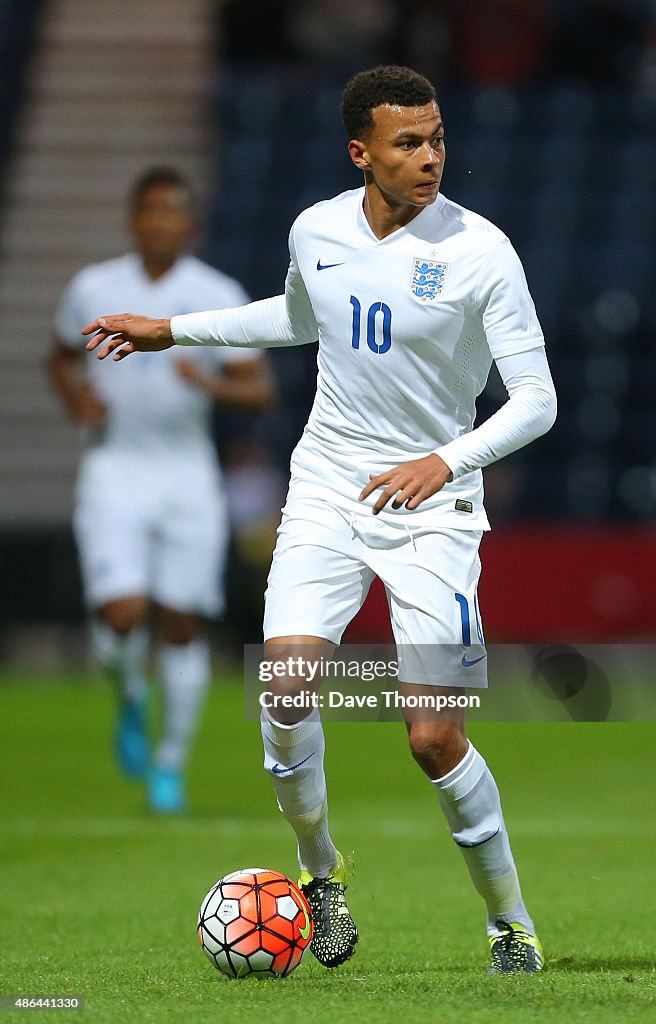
{"points": [[244, 386], [278, 322], [65, 370], [529, 412], [515, 341]]}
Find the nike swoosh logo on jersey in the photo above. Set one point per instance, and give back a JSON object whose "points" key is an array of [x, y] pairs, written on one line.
{"points": [[466, 663], [280, 769], [327, 266]]}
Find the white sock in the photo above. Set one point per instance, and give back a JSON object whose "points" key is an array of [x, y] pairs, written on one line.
{"points": [[124, 657], [293, 757], [470, 800], [185, 673]]}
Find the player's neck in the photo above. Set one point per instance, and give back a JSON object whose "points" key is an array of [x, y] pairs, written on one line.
{"points": [[154, 268], [384, 217]]}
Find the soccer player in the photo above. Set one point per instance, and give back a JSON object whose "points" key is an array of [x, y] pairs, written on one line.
{"points": [[411, 297], [150, 464]]}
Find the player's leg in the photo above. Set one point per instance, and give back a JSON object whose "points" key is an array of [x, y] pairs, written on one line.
{"points": [[470, 801], [188, 558], [294, 758], [113, 562], [441, 634], [294, 747], [121, 643], [120, 639], [184, 669], [316, 585]]}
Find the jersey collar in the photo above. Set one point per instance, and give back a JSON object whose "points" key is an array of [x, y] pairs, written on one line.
{"points": [[416, 227]]}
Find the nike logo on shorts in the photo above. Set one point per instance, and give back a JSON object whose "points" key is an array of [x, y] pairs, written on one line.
{"points": [[466, 663]]}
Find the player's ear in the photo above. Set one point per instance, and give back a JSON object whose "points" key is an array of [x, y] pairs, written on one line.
{"points": [[358, 153]]}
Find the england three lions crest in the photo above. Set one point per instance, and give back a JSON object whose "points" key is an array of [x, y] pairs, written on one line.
{"points": [[428, 279]]}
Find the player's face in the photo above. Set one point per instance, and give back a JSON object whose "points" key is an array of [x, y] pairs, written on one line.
{"points": [[403, 156], [162, 224]]}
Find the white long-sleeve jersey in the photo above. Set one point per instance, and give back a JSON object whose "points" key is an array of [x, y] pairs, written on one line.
{"points": [[408, 326], [152, 413]]}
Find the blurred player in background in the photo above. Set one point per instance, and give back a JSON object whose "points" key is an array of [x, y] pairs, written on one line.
{"points": [[411, 297], [151, 464]]}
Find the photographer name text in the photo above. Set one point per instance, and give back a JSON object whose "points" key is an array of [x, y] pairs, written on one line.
{"points": [[309, 699]]}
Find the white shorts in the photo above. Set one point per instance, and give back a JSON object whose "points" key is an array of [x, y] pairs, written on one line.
{"points": [[155, 530], [326, 559]]}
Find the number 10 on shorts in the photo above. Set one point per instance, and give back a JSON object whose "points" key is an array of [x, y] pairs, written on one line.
{"points": [[465, 619]]}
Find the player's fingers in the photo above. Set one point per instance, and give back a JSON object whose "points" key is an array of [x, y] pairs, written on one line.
{"points": [[118, 320], [416, 499], [96, 340], [377, 480], [386, 496], [115, 341], [406, 491], [420, 493], [101, 323], [374, 482], [426, 490], [402, 497], [126, 350]]}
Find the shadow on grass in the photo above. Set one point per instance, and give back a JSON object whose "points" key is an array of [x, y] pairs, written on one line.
{"points": [[562, 965], [599, 965]]}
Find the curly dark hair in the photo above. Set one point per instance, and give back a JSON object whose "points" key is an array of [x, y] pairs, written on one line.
{"points": [[388, 83], [155, 177]]}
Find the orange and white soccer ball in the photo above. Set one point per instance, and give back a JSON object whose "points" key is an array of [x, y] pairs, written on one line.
{"points": [[255, 922]]}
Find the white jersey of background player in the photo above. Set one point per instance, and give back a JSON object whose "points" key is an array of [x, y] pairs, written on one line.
{"points": [[150, 460], [411, 297]]}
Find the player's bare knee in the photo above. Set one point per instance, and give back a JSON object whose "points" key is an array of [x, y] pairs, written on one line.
{"points": [[125, 614], [424, 742], [290, 700], [178, 628], [436, 745]]}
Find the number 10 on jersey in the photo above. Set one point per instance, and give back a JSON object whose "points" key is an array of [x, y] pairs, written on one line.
{"points": [[379, 326]]}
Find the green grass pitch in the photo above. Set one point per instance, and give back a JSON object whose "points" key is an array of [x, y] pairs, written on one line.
{"points": [[100, 898]]}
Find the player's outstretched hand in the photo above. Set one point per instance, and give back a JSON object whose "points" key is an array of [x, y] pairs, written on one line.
{"points": [[409, 484], [126, 333]]}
